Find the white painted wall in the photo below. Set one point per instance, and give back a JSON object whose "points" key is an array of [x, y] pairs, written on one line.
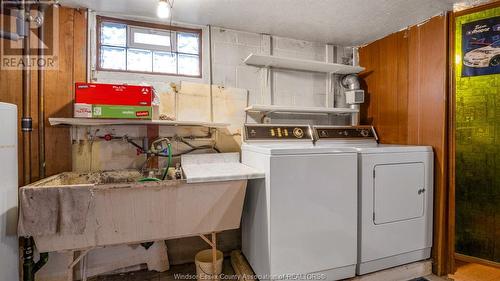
{"points": [[229, 49]]}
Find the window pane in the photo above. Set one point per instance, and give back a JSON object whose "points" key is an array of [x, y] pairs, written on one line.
{"points": [[114, 34], [112, 58], [189, 65], [139, 60], [152, 39], [188, 43], [164, 62]]}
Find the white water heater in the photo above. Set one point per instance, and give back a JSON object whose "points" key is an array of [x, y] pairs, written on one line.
{"points": [[9, 249]]}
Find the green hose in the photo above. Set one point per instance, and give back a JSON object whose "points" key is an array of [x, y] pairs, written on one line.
{"points": [[169, 162], [148, 179]]}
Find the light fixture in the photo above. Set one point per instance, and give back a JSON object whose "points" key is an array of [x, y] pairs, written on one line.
{"points": [[163, 10]]}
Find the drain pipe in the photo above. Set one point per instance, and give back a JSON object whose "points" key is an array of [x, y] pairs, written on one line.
{"points": [[41, 94], [29, 266], [26, 121], [28, 262], [351, 82]]}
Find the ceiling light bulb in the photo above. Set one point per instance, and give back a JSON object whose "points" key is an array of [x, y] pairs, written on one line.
{"points": [[163, 10]]}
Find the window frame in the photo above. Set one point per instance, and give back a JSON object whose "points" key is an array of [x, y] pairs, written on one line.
{"points": [[160, 27], [131, 30]]}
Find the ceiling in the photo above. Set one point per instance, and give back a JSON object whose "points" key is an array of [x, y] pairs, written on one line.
{"points": [[344, 22]]}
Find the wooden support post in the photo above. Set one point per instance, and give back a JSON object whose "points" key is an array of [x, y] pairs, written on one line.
{"points": [[213, 244], [69, 270], [214, 256], [73, 262], [241, 267], [84, 268]]}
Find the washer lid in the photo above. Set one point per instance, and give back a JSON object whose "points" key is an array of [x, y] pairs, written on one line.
{"points": [[294, 148]]}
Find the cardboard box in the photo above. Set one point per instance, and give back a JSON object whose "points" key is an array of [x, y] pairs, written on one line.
{"points": [[82, 110], [121, 112], [113, 94]]}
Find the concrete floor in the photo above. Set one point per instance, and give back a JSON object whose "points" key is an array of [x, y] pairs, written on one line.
{"points": [[188, 271], [176, 272]]}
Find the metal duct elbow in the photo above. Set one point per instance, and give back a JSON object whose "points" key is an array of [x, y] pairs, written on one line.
{"points": [[9, 35], [354, 95], [351, 82]]}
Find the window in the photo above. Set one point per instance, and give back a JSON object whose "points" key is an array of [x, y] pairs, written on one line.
{"points": [[131, 46]]}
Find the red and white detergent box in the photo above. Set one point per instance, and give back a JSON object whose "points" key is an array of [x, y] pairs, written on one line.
{"points": [[113, 94]]}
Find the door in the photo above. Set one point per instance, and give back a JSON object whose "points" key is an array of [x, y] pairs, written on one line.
{"points": [[398, 192], [313, 212], [394, 217]]}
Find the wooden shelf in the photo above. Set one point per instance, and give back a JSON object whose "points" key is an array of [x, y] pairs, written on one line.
{"points": [[301, 64], [266, 109], [107, 122]]}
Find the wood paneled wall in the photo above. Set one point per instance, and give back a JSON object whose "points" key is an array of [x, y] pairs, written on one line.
{"points": [[406, 81], [58, 87]]}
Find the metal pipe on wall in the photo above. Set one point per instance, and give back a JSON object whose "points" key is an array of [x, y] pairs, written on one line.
{"points": [[41, 96], [9, 35], [26, 121], [20, 28], [351, 82], [211, 73]]}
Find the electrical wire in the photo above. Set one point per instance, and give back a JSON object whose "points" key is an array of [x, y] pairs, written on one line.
{"points": [[183, 140], [133, 143], [189, 151]]}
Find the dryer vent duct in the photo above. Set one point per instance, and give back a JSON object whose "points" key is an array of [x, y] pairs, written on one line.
{"points": [[353, 95], [351, 82]]}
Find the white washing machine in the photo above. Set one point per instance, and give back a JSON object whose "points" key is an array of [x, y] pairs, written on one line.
{"points": [[302, 218], [395, 197]]}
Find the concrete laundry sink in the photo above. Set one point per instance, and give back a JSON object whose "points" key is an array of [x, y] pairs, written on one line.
{"points": [[72, 211]]}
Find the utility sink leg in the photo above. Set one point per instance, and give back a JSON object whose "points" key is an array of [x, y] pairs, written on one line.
{"points": [[74, 260], [69, 270], [214, 257], [213, 244]]}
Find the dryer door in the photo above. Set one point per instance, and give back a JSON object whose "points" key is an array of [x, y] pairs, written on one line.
{"points": [[398, 192]]}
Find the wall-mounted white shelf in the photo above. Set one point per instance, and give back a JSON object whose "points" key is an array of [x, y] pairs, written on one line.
{"points": [[108, 122], [301, 64], [266, 109]]}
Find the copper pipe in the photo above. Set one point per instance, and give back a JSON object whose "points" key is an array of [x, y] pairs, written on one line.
{"points": [[26, 121], [41, 96]]}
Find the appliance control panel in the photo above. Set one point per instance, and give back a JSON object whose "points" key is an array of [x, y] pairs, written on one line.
{"points": [[256, 132], [347, 132]]}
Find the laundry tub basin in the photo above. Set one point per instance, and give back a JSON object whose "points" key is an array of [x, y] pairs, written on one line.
{"points": [[73, 211]]}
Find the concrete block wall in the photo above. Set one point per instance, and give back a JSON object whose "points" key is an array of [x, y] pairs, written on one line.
{"points": [[280, 87], [299, 88], [229, 49], [277, 86]]}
